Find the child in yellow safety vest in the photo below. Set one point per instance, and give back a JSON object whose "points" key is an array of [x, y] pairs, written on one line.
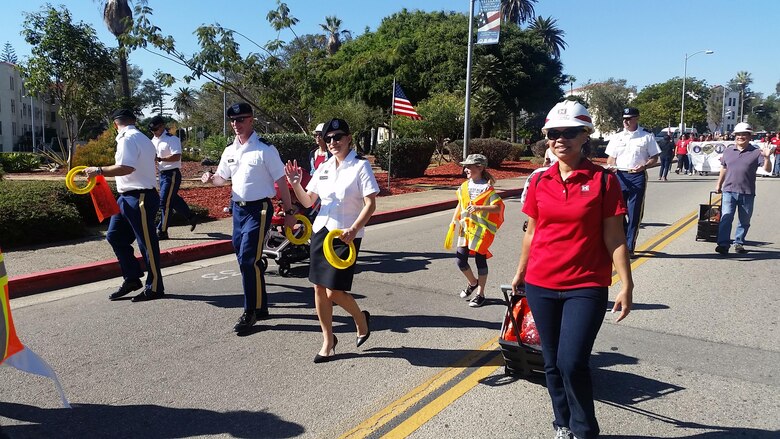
{"points": [[480, 212]]}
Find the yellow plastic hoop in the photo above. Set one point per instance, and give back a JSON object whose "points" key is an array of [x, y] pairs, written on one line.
{"points": [[449, 237], [306, 230], [330, 254], [70, 183]]}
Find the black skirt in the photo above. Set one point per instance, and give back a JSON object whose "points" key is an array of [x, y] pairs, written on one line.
{"points": [[320, 270]]}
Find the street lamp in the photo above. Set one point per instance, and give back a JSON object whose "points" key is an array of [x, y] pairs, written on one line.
{"points": [[685, 75]]}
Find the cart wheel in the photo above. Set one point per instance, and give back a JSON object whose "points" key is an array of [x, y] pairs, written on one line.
{"points": [[264, 264], [284, 270]]}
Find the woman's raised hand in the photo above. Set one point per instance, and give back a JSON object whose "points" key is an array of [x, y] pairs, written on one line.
{"points": [[293, 172]]}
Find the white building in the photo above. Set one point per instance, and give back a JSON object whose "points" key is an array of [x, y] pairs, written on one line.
{"points": [[23, 117]]}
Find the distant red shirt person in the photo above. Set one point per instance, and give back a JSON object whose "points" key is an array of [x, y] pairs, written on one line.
{"points": [[776, 143]]}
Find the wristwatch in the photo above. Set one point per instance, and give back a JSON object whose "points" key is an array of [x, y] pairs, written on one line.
{"points": [[289, 212]]}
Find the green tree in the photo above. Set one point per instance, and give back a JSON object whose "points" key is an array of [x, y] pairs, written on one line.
{"points": [[443, 120], [68, 63], [552, 35], [9, 54], [184, 101], [360, 116], [334, 33], [517, 11], [741, 83], [660, 104], [715, 107], [154, 92], [606, 102]]}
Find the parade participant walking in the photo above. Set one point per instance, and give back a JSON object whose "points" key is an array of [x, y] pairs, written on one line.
{"points": [[169, 163], [681, 148], [320, 154], [575, 235], [667, 154], [253, 166], [347, 189], [737, 182], [480, 212], [776, 143], [631, 151], [136, 182]]}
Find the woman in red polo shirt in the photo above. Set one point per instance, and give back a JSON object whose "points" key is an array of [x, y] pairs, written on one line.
{"points": [[575, 234]]}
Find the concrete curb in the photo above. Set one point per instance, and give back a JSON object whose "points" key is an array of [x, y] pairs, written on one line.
{"points": [[34, 283]]}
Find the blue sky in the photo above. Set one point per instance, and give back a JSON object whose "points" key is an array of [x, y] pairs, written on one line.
{"points": [[642, 41]]}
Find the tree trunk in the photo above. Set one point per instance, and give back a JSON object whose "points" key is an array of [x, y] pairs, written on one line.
{"points": [[513, 127], [123, 73]]}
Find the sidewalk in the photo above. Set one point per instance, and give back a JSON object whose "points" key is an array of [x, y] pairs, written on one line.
{"points": [[71, 263]]}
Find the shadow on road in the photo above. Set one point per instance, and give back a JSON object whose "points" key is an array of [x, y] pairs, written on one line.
{"points": [[397, 262], [142, 421]]}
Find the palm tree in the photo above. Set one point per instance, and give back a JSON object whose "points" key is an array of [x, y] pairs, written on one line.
{"points": [[118, 18], [742, 80], [548, 29], [331, 26], [517, 11], [571, 79], [184, 101]]}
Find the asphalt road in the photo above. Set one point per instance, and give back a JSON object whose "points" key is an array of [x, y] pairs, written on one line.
{"points": [[698, 357]]}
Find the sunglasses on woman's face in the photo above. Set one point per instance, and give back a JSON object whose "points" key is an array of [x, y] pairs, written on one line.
{"points": [[568, 133], [337, 137]]}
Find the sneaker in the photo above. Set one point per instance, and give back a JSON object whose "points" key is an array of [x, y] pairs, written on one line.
{"points": [[563, 433], [722, 249], [467, 291], [738, 248], [477, 301]]}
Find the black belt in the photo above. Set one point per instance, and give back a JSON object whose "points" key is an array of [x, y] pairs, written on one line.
{"points": [[137, 192], [169, 171], [252, 203]]}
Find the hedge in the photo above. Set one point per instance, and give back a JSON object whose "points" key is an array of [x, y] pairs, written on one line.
{"points": [[293, 146], [410, 156], [495, 150], [19, 161], [36, 212]]}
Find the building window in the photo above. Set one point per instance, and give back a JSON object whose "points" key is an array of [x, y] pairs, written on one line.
{"points": [[13, 128], [13, 106], [12, 82], [53, 117], [1, 131]]}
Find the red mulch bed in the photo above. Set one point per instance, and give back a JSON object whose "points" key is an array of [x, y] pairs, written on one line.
{"points": [[215, 199]]}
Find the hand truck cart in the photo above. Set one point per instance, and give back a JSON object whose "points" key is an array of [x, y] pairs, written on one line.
{"points": [[709, 220], [520, 358]]}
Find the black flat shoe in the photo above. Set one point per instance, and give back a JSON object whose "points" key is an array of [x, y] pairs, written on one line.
{"points": [[245, 322], [362, 339], [325, 358], [193, 223], [127, 287]]}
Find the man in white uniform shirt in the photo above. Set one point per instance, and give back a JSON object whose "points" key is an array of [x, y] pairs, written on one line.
{"points": [[253, 166], [631, 151], [169, 163], [136, 182]]}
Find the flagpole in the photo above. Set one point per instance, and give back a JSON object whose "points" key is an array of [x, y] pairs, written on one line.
{"points": [[468, 81], [390, 155]]}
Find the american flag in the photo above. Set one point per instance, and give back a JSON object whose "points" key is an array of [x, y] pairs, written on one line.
{"points": [[402, 106]]}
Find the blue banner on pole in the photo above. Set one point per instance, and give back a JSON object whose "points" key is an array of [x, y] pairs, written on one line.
{"points": [[489, 22]]}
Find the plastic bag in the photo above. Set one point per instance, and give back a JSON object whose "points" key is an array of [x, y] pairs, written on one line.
{"points": [[528, 333], [517, 310]]}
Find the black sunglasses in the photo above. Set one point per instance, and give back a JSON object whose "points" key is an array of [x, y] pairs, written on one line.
{"points": [[239, 119], [568, 133], [337, 137]]}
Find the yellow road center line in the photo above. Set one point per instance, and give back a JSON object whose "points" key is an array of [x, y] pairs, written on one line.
{"points": [[433, 408], [403, 403]]}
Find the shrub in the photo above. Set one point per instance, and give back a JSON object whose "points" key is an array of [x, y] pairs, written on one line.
{"points": [[410, 156], [19, 161], [34, 212], [539, 147], [213, 146], [518, 152], [97, 152], [495, 150], [293, 146]]}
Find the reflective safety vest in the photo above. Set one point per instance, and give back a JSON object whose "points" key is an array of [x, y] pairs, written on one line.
{"points": [[9, 342], [478, 229]]}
